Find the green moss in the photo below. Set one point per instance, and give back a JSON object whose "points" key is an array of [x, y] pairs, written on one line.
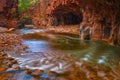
{"points": [[26, 4]]}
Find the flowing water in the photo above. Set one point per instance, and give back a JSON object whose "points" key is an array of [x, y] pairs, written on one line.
{"points": [[54, 52]]}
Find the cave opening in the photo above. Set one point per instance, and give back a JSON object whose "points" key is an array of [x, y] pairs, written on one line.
{"points": [[67, 15]]}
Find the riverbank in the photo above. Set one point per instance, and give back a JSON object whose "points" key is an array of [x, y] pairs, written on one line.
{"points": [[9, 43], [75, 30], [71, 29], [7, 63]]}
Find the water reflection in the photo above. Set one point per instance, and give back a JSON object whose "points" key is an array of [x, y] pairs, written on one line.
{"points": [[92, 51], [37, 45], [29, 31]]}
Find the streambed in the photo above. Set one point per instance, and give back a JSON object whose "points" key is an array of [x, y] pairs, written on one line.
{"points": [[59, 52]]}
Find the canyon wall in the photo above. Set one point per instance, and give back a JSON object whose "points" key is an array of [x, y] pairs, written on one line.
{"points": [[100, 19], [8, 13]]}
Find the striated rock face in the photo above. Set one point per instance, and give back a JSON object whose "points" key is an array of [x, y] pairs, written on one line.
{"points": [[8, 12], [99, 27], [100, 19]]}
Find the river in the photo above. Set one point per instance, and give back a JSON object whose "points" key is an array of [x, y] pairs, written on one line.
{"points": [[56, 52]]}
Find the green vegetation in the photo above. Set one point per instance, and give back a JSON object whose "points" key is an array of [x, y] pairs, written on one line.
{"points": [[26, 4]]}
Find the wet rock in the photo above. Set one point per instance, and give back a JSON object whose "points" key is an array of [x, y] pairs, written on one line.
{"points": [[28, 71], [24, 47], [10, 58], [4, 55], [9, 64], [37, 72], [15, 67], [14, 61], [52, 73], [84, 32], [6, 62]]}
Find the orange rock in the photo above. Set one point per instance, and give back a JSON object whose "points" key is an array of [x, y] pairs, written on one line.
{"points": [[2, 69]]}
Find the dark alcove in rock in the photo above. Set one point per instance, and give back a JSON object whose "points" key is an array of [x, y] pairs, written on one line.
{"points": [[66, 15]]}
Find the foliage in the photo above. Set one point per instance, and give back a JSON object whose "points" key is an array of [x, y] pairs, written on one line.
{"points": [[26, 4]]}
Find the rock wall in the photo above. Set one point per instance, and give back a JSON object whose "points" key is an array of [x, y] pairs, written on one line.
{"points": [[100, 19], [8, 13]]}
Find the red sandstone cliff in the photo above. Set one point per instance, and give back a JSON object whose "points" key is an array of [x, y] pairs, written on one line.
{"points": [[100, 19]]}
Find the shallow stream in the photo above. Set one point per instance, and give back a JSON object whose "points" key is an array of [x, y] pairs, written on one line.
{"points": [[54, 52]]}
